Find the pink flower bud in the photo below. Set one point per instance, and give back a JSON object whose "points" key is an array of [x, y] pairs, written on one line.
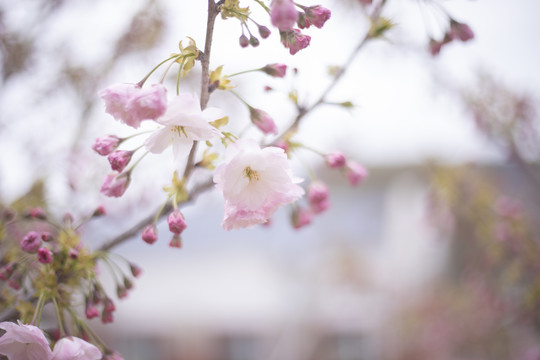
{"points": [[35, 213], [119, 159], [335, 160], [44, 255], [73, 254], [176, 221], [15, 282], [135, 270], [105, 145], [121, 291], [108, 305], [294, 40], [46, 236], [149, 234], [301, 218], [107, 317], [115, 184], [7, 271], [275, 70], [31, 242], [318, 197], [176, 241], [264, 31], [243, 41], [460, 31], [314, 15], [128, 284], [263, 121], [91, 311], [283, 14], [100, 211], [355, 172]]}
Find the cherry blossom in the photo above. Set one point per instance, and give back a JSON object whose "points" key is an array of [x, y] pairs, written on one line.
{"points": [[131, 104], [184, 122], [255, 182], [24, 342], [73, 348]]}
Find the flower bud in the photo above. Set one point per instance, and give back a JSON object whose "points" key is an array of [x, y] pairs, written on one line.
{"points": [[91, 311], [253, 41], [275, 70], [460, 31], [128, 284], [243, 41], [119, 159], [176, 241], [7, 270], [301, 217], [121, 291], [115, 184], [149, 234], [44, 255], [105, 145], [73, 254], [135, 270], [31, 242], [100, 211], [318, 197], [283, 14], [46, 236], [176, 222], [263, 121], [15, 282], [355, 172], [35, 213], [335, 160], [264, 31]]}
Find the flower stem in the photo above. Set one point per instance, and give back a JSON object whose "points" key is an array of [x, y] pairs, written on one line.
{"points": [[36, 319], [59, 317], [141, 83]]}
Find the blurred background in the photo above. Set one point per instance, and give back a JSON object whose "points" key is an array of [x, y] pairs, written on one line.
{"points": [[434, 256]]}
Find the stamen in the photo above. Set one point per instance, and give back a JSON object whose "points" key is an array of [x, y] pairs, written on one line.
{"points": [[251, 174]]}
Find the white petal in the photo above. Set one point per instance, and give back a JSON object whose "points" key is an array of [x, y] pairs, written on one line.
{"points": [[159, 140]]}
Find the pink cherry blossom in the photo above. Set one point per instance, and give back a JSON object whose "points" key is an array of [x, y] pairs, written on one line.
{"points": [[283, 14], [73, 348], [131, 104], [115, 184], [105, 145], [355, 172], [148, 103], [275, 70], [184, 122], [263, 121], [31, 242], [24, 342], [294, 40], [314, 15], [255, 182]]}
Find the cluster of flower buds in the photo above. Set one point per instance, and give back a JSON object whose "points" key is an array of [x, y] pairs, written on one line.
{"points": [[354, 172], [457, 31], [284, 15]]}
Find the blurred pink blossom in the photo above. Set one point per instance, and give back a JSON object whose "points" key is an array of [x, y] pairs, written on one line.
{"points": [[22, 341], [255, 182]]}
